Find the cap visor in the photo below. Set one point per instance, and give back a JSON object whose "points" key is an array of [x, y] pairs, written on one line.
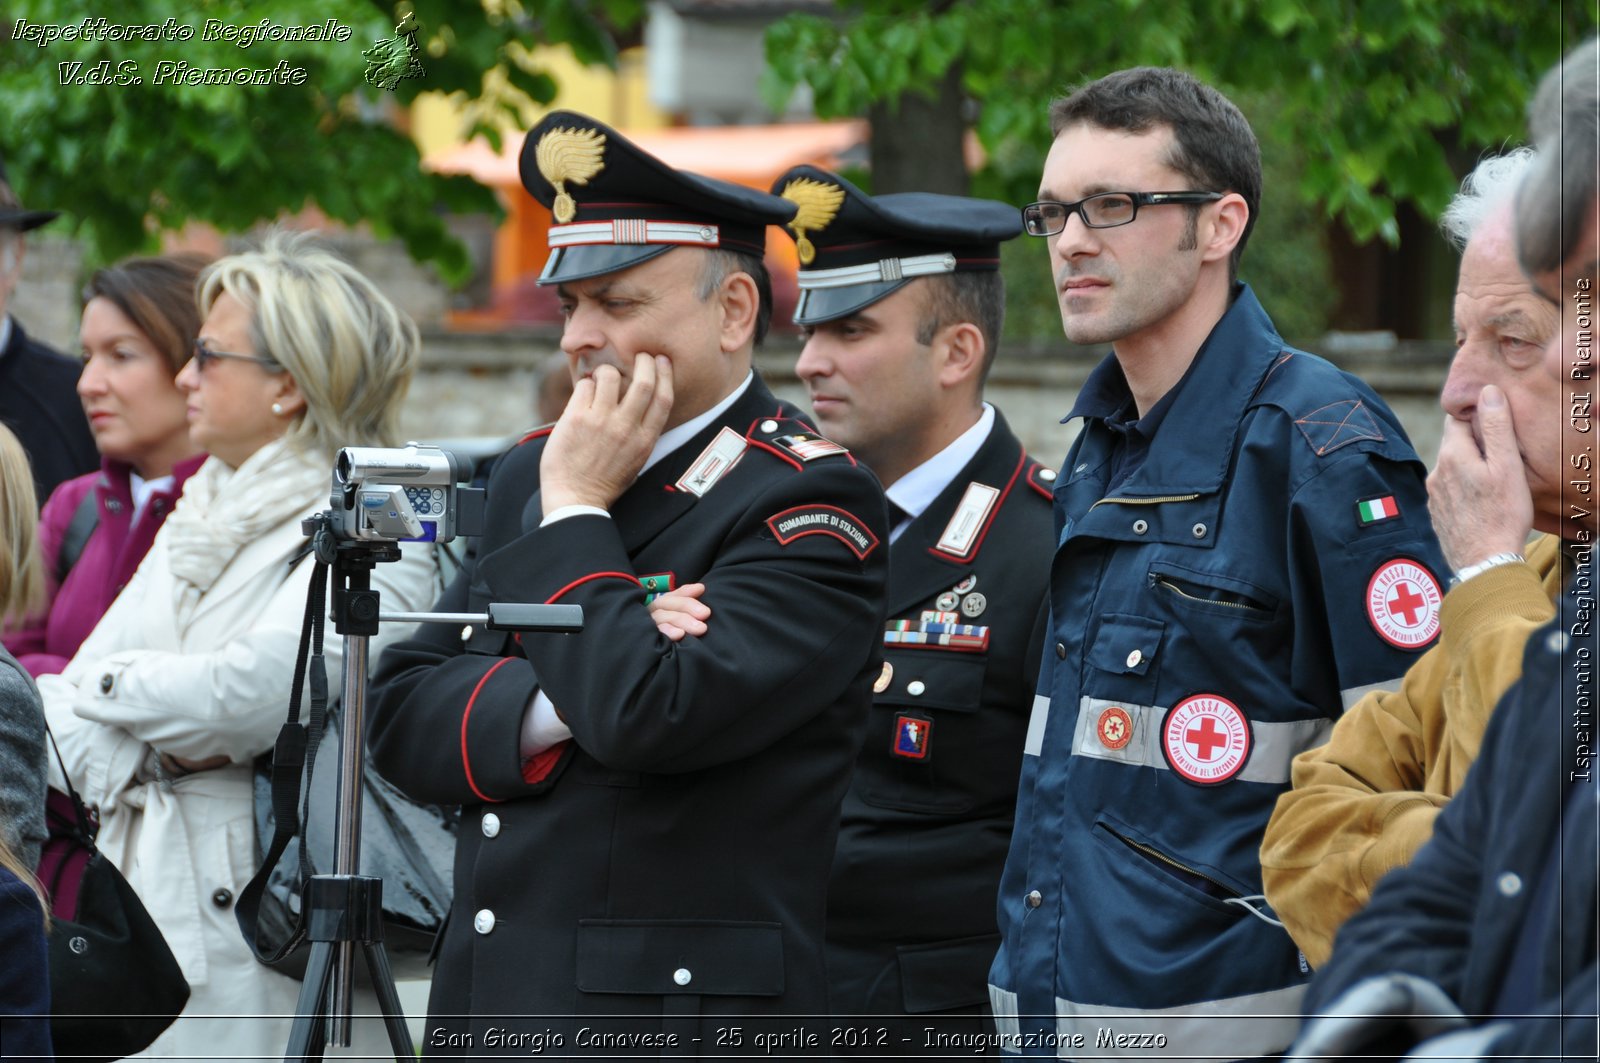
{"points": [[23, 220], [594, 260], [817, 305]]}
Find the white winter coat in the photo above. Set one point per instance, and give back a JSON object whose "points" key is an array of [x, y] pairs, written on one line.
{"points": [[220, 684]]}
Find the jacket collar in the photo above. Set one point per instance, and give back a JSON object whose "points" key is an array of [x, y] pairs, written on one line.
{"points": [[918, 570], [115, 479], [653, 502], [1193, 451]]}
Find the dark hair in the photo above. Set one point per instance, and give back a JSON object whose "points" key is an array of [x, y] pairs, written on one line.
{"points": [[1557, 194], [1213, 145], [970, 295], [719, 263], [158, 295]]}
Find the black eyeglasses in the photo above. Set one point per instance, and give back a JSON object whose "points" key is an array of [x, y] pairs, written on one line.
{"points": [[204, 356], [1106, 210]]}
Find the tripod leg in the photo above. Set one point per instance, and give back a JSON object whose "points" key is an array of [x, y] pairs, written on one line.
{"points": [[389, 1002], [307, 1035]]}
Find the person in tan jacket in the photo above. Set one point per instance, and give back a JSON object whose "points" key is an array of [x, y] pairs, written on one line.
{"points": [[1365, 802]]}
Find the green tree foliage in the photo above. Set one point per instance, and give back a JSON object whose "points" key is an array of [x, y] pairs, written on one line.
{"points": [[1377, 96], [126, 160]]}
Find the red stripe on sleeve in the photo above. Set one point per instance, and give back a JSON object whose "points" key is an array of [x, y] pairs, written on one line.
{"points": [[580, 582], [466, 764]]}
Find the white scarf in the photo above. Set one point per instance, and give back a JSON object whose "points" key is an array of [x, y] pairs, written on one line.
{"points": [[222, 510]]}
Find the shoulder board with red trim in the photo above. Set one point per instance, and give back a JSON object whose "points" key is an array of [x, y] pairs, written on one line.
{"points": [[538, 433], [1042, 479], [795, 441]]}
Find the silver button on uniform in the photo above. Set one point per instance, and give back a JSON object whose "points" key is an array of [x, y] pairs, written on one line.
{"points": [[1134, 657], [483, 922], [916, 687], [1034, 899], [1509, 884], [682, 976], [769, 426], [1061, 651], [1199, 531], [466, 633], [491, 825], [1140, 527]]}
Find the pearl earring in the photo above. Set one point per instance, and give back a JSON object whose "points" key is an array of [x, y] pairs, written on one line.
{"points": [[277, 408]]}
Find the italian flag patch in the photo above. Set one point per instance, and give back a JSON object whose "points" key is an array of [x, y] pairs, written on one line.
{"points": [[1373, 510]]}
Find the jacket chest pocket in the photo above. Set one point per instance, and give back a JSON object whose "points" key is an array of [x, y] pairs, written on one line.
{"points": [[680, 957], [928, 737], [1211, 595], [1124, 658]]}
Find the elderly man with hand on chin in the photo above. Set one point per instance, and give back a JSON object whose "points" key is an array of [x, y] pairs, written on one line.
{"points": [[1365, 802], [1485, 945]]}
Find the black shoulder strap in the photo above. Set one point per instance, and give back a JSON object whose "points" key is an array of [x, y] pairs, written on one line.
{"points": [[76, 537], [293, 752]]}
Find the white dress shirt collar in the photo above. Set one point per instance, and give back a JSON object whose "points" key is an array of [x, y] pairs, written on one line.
{"points": [[673, 438], [915, 491]]}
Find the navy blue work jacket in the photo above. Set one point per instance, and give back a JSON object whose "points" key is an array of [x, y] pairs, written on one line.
{"points": [[1269, 561]]}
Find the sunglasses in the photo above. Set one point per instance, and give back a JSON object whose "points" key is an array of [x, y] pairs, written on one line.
{"points": [[204, 356]]}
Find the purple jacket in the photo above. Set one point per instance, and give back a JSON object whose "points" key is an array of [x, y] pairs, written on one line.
{"points": [[45, 643]]}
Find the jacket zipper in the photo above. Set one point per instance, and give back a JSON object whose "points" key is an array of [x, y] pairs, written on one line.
{"points": [[1147, 501], [1170, 862], [1175, 589]]}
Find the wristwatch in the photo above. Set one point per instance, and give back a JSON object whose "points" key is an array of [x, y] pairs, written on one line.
{"points": [[1494, 561]]}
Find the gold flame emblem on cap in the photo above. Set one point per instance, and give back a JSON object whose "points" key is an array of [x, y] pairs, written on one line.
{"points": [[569, 155], [819, 204]]}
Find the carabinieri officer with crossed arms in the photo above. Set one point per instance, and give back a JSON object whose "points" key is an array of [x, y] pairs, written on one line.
{"points": [[648, 825]]}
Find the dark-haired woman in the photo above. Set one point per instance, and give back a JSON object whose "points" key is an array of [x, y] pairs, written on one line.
{"points": [[139, 325]]}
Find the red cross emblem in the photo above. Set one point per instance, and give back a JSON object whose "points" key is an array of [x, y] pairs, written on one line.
{"points": [[1206, 739], [1403, 602], [1115, 727]]}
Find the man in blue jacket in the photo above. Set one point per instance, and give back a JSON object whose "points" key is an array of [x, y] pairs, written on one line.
{"points": [[1243, 549], [1485, 945]]}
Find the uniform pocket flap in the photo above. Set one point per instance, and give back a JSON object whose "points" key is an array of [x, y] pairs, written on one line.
{"points": [[1126, 644], [680, 956], [933, 679], [946, 974]]}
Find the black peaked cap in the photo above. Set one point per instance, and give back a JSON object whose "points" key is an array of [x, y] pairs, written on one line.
{"points": [[12, 215], [616, 205], [837, 225]]}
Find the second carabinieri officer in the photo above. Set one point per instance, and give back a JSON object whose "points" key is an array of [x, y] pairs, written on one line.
{"points": [[902, 303], [647, 825]]}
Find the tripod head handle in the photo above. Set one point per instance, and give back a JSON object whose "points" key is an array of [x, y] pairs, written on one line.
{"points": [[504, 616]]}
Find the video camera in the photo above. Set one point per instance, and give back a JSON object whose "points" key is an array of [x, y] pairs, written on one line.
{"points": [[409, 494]]}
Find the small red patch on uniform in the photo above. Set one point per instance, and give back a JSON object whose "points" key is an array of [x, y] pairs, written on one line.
{"points": [[1403, 602], [911, 735], [1114, 728], [800, 521]]}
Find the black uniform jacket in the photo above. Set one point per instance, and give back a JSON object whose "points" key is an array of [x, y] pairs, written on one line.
{"points": [[671, 859], [39, 402], [927, 819]]}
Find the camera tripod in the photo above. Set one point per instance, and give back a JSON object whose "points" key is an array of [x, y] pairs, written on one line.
{"points": [[344, 910]]}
